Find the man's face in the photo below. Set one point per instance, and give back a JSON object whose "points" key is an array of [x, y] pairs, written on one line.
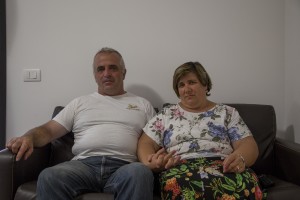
{"points": [[109, 74]]}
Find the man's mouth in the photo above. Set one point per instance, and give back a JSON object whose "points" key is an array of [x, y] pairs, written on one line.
{"points": [[107, 81]]}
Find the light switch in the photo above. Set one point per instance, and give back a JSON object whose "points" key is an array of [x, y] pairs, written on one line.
{"points": [[32, 75]]}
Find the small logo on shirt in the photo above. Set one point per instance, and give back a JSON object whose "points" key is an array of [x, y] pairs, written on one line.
{"points": [[132, 107]]}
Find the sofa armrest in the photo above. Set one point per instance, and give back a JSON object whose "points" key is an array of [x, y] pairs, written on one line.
{"points": [[6, 170], [287, 160], [14, 173]]}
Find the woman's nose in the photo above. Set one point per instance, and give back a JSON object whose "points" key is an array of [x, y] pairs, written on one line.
{"points": [[187, 88]]}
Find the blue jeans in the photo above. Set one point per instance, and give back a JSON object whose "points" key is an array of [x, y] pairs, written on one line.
{"points": [[96, 174]]}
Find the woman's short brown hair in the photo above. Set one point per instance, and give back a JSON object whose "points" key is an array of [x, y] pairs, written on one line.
{"points": [[197, 69]]}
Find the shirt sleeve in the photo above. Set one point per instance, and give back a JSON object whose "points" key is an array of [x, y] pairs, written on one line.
{"points": [[237, 128], [155, 128], [66, 116]]}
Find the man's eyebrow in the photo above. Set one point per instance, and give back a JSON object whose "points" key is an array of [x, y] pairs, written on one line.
{"points": [[112, 65]]}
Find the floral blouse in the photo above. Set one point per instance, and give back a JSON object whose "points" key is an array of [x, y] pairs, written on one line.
{"points": [[192, 135]]}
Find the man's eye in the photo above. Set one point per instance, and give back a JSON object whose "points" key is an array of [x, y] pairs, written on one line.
{"points": [[100, 69], [114, 68]]}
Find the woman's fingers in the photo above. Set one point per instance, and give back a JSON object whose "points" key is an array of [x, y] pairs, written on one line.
{"points": [[233, 163], [164, 160], [173, 161]]}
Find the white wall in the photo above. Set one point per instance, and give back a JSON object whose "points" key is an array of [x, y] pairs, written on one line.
{"points": [[292, 70], [241, 44]]}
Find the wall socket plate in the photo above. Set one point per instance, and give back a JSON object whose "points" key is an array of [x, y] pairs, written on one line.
{"points": [[32, 75]]}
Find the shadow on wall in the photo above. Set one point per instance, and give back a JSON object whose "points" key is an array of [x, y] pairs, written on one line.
{"points": [[289, 134], [291, 129], [148, 93]]}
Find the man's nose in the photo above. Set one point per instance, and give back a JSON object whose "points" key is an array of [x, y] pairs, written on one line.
{"points": [[107, 72]]}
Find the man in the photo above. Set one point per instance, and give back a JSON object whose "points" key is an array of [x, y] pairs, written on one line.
{"points": [[106, 126]]}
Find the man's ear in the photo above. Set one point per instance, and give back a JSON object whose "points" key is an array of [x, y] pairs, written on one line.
{"points": [[124, 73]]}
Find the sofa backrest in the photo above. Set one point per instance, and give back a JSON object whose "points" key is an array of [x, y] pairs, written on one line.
{"points": [[260, 119]]}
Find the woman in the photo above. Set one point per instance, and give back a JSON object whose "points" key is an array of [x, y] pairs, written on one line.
{"points": [[202, 149]]}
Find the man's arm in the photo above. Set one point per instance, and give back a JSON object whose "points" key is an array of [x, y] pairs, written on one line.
{"points": [[36, 137]]}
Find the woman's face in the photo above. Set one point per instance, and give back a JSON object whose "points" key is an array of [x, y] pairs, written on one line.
{"points": [[191, 91]]}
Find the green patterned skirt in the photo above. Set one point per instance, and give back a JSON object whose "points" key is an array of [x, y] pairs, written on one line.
{"points": [[203, 178]]}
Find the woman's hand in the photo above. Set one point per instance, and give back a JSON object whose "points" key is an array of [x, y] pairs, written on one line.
{"points": [[155, 157], [244, 155], [162, 160], [234, 163]]}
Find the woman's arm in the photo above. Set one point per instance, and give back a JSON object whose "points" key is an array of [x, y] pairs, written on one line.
{"points": [[244, 155], [247, 148]]}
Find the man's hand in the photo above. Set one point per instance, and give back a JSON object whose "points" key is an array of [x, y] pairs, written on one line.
{"points": [[36, 137], [162, 160], [22, 146]]}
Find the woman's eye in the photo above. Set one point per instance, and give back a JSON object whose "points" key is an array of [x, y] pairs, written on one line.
{"points": [[180, 85]]}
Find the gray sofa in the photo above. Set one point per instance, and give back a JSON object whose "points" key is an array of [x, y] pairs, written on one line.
{"points": [[278, 159]]}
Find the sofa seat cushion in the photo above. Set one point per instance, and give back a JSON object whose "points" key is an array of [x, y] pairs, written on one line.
{"points": [[27, 191], [95, 196], [283, 190], [280, 190]]}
